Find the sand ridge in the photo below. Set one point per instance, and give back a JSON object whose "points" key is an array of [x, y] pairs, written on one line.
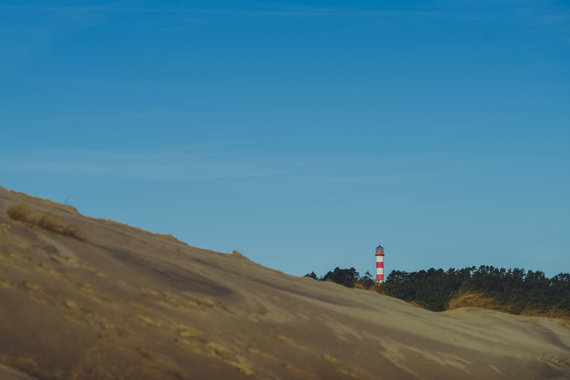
{"points": [[125, 303]]}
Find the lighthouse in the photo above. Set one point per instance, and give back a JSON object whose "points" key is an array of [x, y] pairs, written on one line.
{"points": [[379, 264]]}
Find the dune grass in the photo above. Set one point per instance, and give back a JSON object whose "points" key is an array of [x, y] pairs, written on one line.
{"points": [[485, 301], [474, 299], [43, 220]]}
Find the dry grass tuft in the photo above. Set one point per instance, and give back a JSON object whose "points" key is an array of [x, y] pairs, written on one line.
{"points": [[239, 255], [21, 212], [45, 221], [552, 313], [419, 304], [474, 299], [478, 299]]}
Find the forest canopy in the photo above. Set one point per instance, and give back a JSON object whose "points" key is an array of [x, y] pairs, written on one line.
{"points": [[513, 290]]}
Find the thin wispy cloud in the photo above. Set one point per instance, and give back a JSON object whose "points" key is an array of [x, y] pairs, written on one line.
{"points": [[544, 13], [205, 166], [267, 10], [552, 14], [547, 12]]}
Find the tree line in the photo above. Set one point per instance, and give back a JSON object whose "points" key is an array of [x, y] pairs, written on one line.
{"points": [[514, 290]]}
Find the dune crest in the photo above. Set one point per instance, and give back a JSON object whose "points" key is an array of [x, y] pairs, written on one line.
{"points": [[84, 298]]}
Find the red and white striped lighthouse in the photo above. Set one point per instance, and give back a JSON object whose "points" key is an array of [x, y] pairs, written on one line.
{"points": [[379, 264]]}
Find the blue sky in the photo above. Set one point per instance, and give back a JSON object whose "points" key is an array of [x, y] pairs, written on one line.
{"points": [[301, 133]]}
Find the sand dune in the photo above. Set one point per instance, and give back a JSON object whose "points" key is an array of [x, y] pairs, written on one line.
{"points": [[94, 299]]}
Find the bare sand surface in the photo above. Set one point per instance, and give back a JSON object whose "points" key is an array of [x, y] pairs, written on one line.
{"points": [[83, 298]]}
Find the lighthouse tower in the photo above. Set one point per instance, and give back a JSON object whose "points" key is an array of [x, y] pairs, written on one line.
{"points": [[379, 264]]}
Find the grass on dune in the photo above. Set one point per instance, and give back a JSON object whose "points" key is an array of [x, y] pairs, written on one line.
{"points": [[484, 301], [43, 220]]}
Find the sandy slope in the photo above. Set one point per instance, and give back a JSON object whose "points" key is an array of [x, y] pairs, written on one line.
{"points": [[129, 304]]}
